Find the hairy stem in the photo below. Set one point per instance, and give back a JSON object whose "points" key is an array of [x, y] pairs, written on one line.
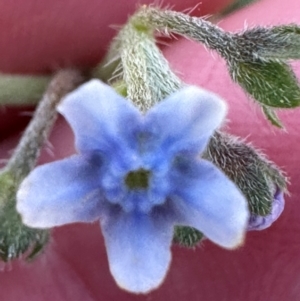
{"points": [[27, 151], [195, 28]]}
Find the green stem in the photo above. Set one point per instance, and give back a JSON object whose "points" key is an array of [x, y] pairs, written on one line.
{"points": [[25, 155], [22, 89], [195, 28]]}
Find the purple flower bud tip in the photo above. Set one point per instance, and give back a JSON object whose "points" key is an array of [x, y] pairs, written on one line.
{"points": [[257, 222]]}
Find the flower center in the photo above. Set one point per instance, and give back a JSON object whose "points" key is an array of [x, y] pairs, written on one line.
{"points": [[138, 179]]}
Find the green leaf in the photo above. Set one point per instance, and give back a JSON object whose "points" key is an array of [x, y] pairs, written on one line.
{"points": [[120, 87], [272, 117], [271, 83], [236, 5]]}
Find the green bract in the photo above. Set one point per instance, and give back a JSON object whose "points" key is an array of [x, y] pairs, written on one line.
{"points": [[272, 116], [187, 236], [16, 239]]}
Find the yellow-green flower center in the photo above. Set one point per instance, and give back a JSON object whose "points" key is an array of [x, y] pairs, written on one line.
{"points": [[138, 179]]}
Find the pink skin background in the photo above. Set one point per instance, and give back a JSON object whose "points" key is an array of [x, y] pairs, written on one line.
{"points": [[38, 36]]}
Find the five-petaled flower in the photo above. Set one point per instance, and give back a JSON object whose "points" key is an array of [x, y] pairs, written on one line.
{"points": [[140, 175]]}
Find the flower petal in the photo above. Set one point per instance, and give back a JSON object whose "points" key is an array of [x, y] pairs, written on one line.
{"points": [[62, 192], [257, 222], [211, 203], [186, 119], [99, 117], [138, 248]]}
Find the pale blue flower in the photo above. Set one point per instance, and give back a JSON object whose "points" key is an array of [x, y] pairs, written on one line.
{"points": [[139, 175]]}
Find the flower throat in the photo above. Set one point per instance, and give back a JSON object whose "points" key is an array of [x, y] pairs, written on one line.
{"points": [[138, 179]]}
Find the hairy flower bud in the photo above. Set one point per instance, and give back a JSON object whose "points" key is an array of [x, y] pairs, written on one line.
{"points": [[257, 177]]}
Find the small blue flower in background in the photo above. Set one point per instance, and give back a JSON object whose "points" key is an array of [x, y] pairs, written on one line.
{"points": [[140, 175]]}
